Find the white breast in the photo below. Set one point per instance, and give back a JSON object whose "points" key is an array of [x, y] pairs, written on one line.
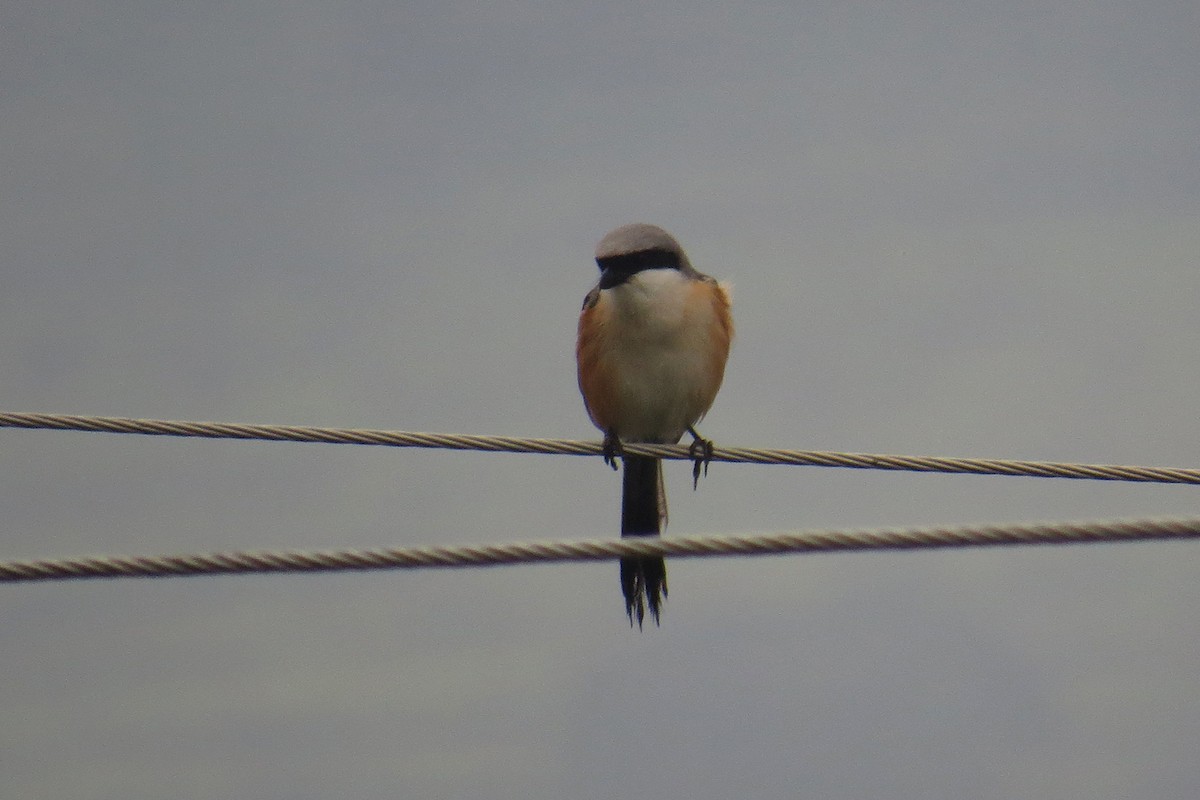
{"points": [[660, 344]]}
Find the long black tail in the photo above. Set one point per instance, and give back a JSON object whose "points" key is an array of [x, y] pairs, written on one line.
{"points": [[643, 510]]}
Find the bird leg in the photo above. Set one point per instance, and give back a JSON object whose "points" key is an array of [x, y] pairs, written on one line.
{"points": [[612, 449], [701, 451]]}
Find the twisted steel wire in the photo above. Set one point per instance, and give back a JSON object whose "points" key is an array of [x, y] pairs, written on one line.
{"points": [[511, 444], [596, 550]]}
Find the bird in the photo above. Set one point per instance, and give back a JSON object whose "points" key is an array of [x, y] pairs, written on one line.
{"points": [[653, 340]]}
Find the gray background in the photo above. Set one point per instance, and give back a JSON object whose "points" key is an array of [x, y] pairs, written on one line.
{"points": [[952, 228]]}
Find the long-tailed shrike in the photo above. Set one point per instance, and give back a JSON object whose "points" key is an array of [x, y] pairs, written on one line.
{"points": [[654, 335]]}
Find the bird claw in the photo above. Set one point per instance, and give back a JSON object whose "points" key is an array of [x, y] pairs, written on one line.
{"points": [[701, 452], [612, 449]]}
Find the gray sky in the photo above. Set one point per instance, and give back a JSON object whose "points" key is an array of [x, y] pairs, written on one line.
{"points": [[952, 228]]}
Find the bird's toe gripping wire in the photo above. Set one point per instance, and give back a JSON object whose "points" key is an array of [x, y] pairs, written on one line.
{"points": [[701, 452], [612, 449]]}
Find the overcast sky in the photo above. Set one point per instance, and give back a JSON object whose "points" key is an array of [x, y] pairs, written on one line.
{"points": [[952, 228]]}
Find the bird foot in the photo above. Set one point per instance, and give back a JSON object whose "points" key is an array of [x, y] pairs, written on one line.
{"points": [[612, 449], [701, 452]]}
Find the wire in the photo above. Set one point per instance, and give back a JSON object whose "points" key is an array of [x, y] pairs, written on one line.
{"points": [[507, 444], [597, 550]]}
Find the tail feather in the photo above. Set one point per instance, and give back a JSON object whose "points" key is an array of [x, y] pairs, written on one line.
{"points": [[643, 512]]}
